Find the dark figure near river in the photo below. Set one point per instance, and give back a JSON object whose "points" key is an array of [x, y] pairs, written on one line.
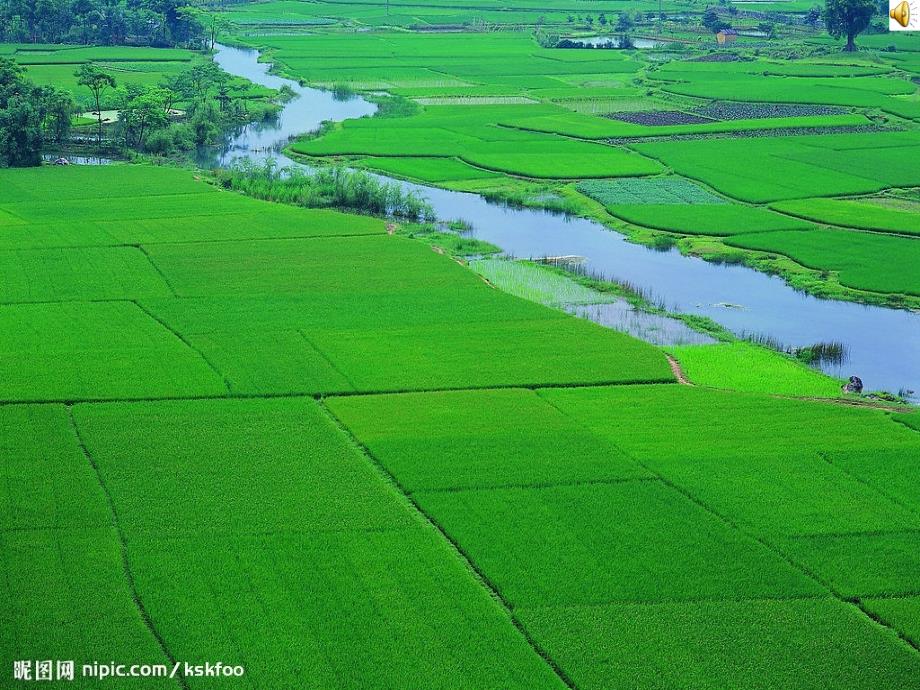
{"points": [[854, 385]]}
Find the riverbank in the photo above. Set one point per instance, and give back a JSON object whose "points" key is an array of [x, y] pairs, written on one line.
{"points": [[879, 342]]}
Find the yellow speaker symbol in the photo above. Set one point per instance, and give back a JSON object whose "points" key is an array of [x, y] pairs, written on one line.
{"points": [[901, 14]]}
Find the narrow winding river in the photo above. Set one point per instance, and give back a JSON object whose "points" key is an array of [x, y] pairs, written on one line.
{"points": [[882, 345]]}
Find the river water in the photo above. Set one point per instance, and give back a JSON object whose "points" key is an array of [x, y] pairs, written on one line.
{"points": [[882, 345]]}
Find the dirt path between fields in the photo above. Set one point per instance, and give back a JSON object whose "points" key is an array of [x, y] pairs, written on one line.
{"points": [[678, 372]]}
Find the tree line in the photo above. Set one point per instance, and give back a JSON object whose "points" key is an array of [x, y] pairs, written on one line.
{"points": [[107, 22], [34, 117], [30, 115]]}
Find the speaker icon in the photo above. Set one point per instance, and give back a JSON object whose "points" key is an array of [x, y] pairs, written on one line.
{"points": [[902, 16], [901, 13]]}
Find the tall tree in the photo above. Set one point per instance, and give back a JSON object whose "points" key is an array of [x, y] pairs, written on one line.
{"points": [[98, 82], [848, 18]]}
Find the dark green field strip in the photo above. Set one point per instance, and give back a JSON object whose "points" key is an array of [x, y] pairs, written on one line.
{"points": [[410, 306], [64, 596], [807, 644], [780, 168], [705, 219], [461, 440], [889, 469], [453, 355], [911, 420], [237, 467], [883, 563], [64, 593], [311, 267], [862, 260], [584, 126], [128, 208], [104, 182], [390, 609], [854, 213], [96, 350], [667, 425], [46, 481], [512, 353], [88, 273], [260, 535], [903, 614], [599, 543], [260, 222]]}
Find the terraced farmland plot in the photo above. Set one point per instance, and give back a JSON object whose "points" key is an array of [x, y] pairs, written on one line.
{"points": [[600, 543], [251, 221], [705, 219], [331, 266], [78, 182], [589, 127], [699, 80], [810, 644], [780, 168], [413, 305], [64, 591], [546, 156], [854, 213], [862, 260], [222, 504], [428, 169], [513, 353], [474, 440], [696, 427], [94, 350], [653, 190], [349, 338], [130, 208], [49, 275], [778, 489]]}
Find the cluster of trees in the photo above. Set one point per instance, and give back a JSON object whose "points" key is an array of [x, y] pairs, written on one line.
{"points": [[147, 119], [30, 116], [713, 21], [108, 22], [843, 18]]}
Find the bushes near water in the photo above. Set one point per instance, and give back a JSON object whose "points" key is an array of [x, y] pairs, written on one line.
{"points": [[327, 187]]}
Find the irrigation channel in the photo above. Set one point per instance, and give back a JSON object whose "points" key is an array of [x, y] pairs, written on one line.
{"points": [[882, 346]]}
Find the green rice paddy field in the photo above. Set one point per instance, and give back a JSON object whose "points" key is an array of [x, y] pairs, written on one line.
{"points": [[495, 112], [299, 442], [288, 440]]}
